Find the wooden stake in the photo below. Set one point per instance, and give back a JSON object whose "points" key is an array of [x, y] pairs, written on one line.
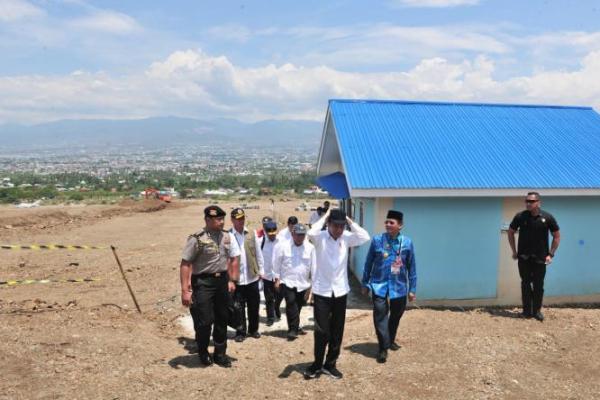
{"points": [[114, 250]]}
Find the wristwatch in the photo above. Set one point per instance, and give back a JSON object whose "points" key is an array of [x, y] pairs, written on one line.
{"points": [[551, 254]]}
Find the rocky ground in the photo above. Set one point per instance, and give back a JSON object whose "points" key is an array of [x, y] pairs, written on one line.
{"points": [[85, 339]]}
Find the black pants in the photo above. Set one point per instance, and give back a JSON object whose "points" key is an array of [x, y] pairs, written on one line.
{"points": [[330, 317], [294, 301], [209, 311], [273, 300], [248, 295], [386, 318], [532, 285]]}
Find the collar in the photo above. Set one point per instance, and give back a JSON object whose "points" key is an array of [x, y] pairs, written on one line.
{"points": [[390, 238], [244, 232]]}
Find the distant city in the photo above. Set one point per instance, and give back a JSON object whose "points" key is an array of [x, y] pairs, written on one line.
{"points": [[185, 171]]}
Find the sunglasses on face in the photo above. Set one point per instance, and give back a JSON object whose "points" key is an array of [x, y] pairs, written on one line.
{"points": [[531, 201]]}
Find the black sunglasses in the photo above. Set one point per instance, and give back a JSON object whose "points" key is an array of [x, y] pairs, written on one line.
{"points": [[531, 201]]}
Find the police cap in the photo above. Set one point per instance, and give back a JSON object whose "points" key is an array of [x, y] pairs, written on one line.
{"points": [[214, 211], [238, 213]]}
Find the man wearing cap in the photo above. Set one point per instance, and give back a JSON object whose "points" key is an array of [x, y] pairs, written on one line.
{"points": [[260, 233], [330, 287], [247, 291], [390, 273], [286, 233], [273, 297], [209, 267], [293, 263]]}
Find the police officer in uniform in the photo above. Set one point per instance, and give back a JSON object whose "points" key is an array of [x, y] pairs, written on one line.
{"points": [[208, 271], [533, 255]]}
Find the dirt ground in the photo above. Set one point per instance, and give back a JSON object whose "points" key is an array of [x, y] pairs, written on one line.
{"points": [[85, 340]]}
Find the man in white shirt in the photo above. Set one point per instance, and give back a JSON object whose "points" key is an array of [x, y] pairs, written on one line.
{"points": [[316, 215], [286, 233], [273, 298], [251, 269], [293, 262], [330, 287]]}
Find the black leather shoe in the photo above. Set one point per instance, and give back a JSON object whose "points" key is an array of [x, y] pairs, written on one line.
{"points": [[301, 331], [239, 338], [292, 335], [394, 346], [332, 371], [539, 316], [255, 335], [270, 322], [222, 360], [312, 372], [206, 359], [382, 356]]}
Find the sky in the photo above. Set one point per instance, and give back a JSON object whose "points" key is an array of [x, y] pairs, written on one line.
{"points": [[257, 60]]}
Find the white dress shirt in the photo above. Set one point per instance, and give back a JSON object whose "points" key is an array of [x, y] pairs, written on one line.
{"points": [[246, 276], [267, 253], [314, 217], [284, 234], [331, 275], [293, 264]]}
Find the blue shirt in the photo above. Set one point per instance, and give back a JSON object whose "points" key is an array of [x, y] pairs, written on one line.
{"points": [[377, 274]]}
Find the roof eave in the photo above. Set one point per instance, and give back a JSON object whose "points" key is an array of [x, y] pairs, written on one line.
{"points": [[518, 192]]}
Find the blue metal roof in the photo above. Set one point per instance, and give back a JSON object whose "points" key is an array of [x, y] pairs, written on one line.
{"points": [[424, 145]]}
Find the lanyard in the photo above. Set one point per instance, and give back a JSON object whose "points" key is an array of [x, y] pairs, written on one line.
{"points": [[388, 244]]}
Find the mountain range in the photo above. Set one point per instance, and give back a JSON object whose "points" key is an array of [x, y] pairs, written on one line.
{"points": [[160, 132]]}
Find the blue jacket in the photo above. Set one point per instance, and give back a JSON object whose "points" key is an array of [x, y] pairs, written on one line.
{"points": [[377, 274]]}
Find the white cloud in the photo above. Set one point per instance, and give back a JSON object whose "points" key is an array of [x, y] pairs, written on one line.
{"points": [[15, 10], [434, 3], [107, 22], [195, 84]]}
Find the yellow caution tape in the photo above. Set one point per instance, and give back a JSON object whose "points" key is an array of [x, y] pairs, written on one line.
{"points": [[50, 247], [30, 281]]}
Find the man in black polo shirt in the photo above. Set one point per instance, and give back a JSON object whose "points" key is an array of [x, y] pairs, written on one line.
{"points": [[533, 254]]}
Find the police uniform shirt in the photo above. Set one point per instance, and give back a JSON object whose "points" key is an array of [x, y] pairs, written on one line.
{"points": [[533, 233], [293, 264], [208, 252]]}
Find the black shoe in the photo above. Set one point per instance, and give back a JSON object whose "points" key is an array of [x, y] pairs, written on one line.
{"points": [[206, 359], [292, 335], [270, 322], [301, 331], [394, 346], [382, 356], [255, 335], [278, 318], [240, 338], [312, 372], [526, 314], [539, 316], [333, 372], [222, 360]]}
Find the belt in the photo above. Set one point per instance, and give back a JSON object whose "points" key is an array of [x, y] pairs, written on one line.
{"points": [[211, 275]]}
